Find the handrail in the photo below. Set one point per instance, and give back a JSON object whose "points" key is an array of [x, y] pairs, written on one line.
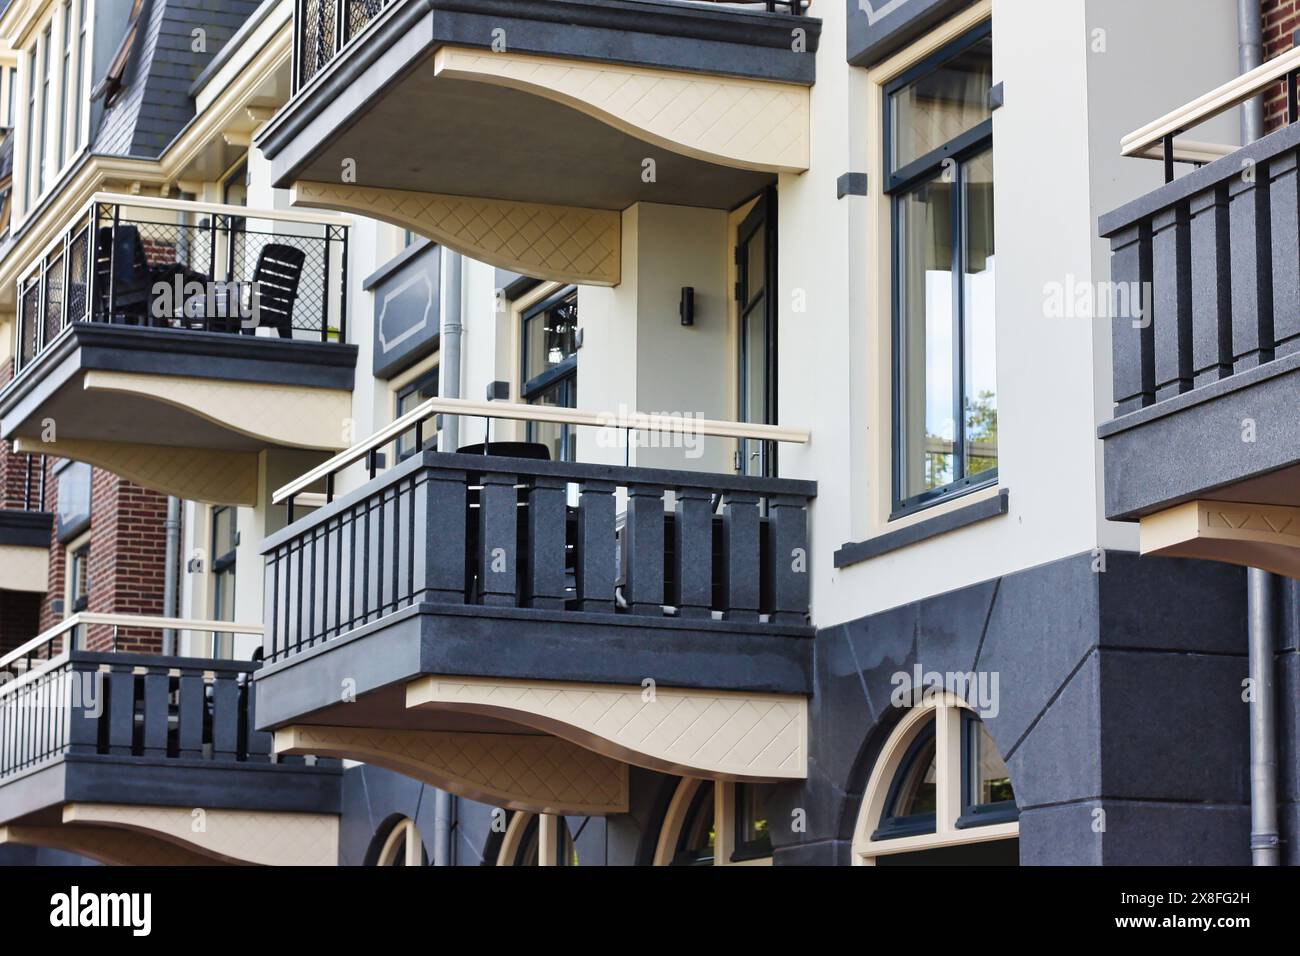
{"points": [[128, 620], [221, 209], [633, 421], [1209, 105]]}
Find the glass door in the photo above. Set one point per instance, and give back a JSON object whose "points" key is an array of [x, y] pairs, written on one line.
{"points": [[756, 301]]}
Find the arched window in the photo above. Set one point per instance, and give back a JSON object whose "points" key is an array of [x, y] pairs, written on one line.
{"points": [[527, 834], [940, 793], [402, 846], [715, 824]]}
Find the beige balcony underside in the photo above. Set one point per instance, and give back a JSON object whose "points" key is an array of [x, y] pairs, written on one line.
{"points": [[742, 123], [1252, 535], [723, 735], [213, 477], [531, 772], [247, 416], [561, 243], [551, 747], [177, 836], [24, 569]]}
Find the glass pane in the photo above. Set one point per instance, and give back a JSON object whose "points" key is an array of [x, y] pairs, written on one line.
{"points": [[418, 392], [752, 815], [550, 337], [927, 430], [74, 497], [980, 330], [942, 105], [698, 837], [755, 266], [991, 779], [558, 438], [223, 531], [916, 791]]}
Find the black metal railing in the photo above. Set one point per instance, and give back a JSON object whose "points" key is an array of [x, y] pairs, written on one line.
{"points": [[187, 266], [322, 28], [483, 530], [129, 705], [1206, 274]]}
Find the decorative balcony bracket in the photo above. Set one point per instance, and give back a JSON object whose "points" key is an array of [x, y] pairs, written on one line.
{"points": [[724, 735], [741, 123], [537, 773], [562, 243], [172, 836], [1260, 536]]}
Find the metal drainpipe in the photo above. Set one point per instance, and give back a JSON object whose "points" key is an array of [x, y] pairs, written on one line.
{"points": [[444, 805], [452, 331], [1261, 587], [172, 531], [1250, 54]]}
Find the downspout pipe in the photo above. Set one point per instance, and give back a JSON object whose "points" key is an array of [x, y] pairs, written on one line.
{"points": [[449, 386], [452, 331], [1250, 54], [172, 533], [1262, 588]]}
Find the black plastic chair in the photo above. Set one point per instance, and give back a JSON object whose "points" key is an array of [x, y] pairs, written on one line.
{"points": [[276, 279], [122, 275]]}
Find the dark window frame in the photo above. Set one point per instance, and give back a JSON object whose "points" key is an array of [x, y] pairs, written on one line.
{"points": [[702, 802], [400, 394], [564, 373], [891, 825], [746, 850], [978, 814], [898, 184], [79, 555]]}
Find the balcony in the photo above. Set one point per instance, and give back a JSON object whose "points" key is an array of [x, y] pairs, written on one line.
{"points": [[526, 128], [150, 760], [1204, 447], [171, 342], [518, 630]]}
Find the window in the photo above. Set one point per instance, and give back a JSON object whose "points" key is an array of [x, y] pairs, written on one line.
{"points": [[401, 846], [753, 840], [715, 824], [47, 72], [225, 539], [940, 793], [521, 844], [79, 576], [68, 94], [409, 396], [699, 836], [11, 118], [33, 149], [550, 367], [80, 73], [74, 498], [939, 155]]}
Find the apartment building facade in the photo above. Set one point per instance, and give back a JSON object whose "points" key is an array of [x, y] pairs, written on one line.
{"points": [[669, 433]]}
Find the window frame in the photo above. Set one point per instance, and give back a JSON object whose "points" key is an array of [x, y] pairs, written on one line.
{"points": [[898, 185], [72, 603], [564, 373], [978, 814], [404, 385], [224, 572]]}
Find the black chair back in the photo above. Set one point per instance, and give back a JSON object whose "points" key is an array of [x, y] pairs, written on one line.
{"points": [[277, 275], [122, 269]]}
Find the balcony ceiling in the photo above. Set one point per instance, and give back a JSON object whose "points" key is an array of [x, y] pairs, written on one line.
{"points": [[431, 134]]}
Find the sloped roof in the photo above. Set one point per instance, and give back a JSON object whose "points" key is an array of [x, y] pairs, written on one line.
{"points": [[153, 102]]}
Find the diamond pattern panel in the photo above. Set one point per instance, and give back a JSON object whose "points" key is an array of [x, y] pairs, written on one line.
{"points": [[540, 773], [563, 243], [756, 736], [248, 836], [750, 124]]}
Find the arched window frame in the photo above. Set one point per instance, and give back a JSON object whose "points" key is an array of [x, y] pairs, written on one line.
{"points": [[725, 821], [404, 843], [954, 824]]}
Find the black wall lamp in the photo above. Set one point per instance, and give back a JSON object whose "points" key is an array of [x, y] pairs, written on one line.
{"points": [[687, 307]]}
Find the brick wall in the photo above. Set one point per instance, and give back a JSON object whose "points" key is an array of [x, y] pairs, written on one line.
{"points": [[1281, 21], [127, 560]]}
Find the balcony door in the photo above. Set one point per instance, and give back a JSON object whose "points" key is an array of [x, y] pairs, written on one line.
{"points": [[756, 338]]}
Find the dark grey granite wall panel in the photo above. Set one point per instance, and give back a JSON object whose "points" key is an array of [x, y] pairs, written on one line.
{"points": [[1119, 692]]}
